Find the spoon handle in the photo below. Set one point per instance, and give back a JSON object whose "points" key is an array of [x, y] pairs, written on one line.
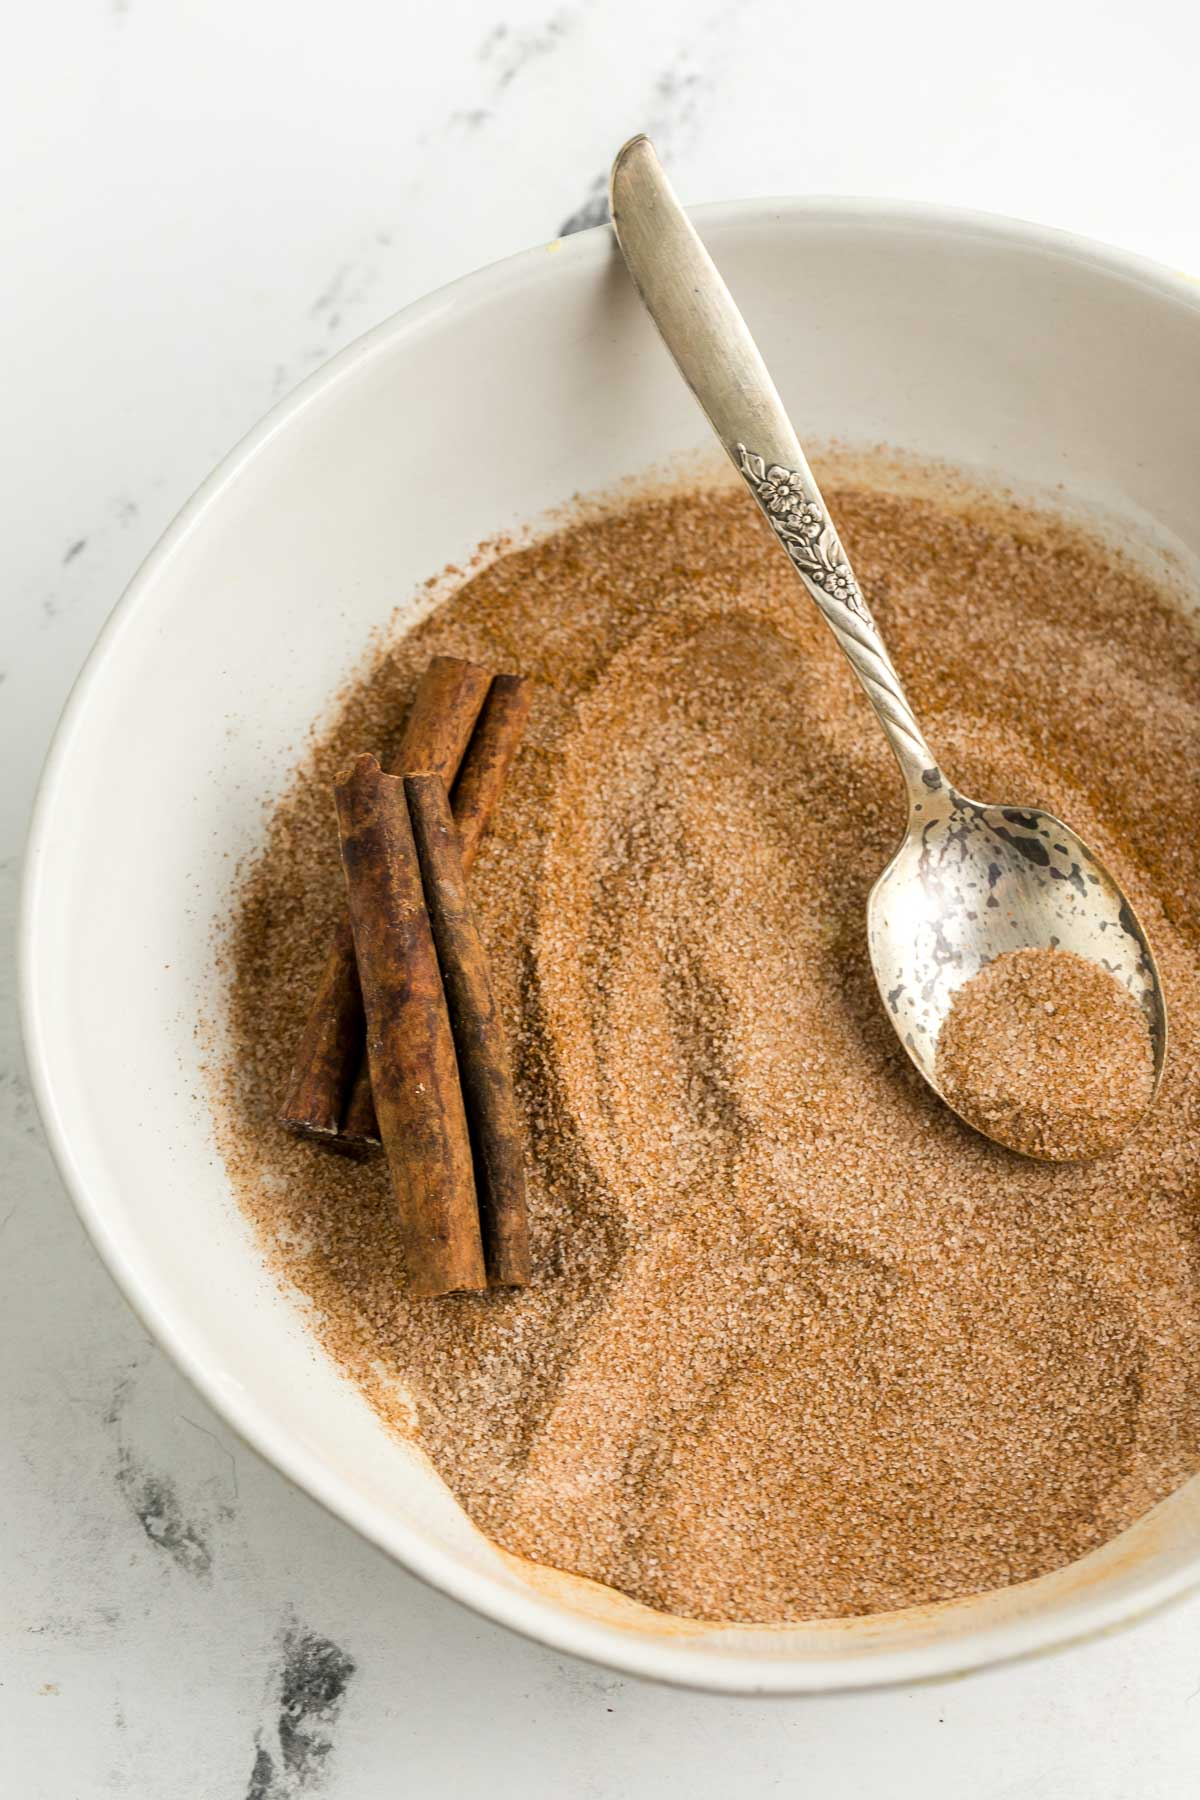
{"points": [[719, 360]]}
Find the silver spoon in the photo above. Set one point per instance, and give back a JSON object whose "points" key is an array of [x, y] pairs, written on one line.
{"points": [[969, 881]]}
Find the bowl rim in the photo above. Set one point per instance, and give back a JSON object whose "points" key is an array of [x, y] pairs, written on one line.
{"points": [[694, 1663]]}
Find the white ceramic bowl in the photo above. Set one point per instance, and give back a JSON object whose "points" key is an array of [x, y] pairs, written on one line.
{"points": [[987, 343]]}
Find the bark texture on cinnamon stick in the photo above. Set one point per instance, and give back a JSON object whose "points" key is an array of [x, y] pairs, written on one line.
{"points": [[414, 1067], [330, 1044], [436, 733], [494, 743], [448, 701], [483, 1063], [360, 1127]]}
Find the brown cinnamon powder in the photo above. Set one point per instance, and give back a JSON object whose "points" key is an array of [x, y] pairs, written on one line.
{"points": [[799, 1343], [1047, 1052]]}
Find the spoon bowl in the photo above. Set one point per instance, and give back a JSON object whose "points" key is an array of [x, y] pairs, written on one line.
{"points": [[970, 882]]}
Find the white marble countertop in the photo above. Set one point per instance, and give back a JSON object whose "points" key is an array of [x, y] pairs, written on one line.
{"points": [[210, 197]]}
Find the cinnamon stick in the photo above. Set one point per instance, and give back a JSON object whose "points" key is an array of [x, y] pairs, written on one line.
{"points": [[330, 1044], [448, 701], [494, 743], [483, 1065], [440, 721], [360, 1126], [414, 1068]]}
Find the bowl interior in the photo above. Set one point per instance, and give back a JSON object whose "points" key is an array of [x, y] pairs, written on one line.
{"points": [[994, 347]]}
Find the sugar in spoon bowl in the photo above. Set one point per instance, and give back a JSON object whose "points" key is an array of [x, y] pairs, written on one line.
{"points": [[971, 880]]}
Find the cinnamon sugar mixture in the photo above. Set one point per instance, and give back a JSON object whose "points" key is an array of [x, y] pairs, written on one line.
{"points": [[1048, 1052], [799, 1343]]}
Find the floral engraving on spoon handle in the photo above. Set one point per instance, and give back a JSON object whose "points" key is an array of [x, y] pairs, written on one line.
{"points": [[804, 529], [807, 533]]}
